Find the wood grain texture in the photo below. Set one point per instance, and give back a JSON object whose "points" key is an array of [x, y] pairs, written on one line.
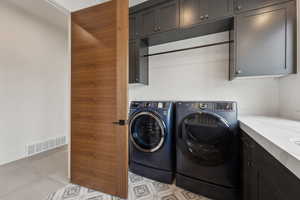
{"points": [[99, 153]]}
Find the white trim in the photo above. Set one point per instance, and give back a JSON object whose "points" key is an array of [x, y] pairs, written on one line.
{"points": [[59, 7]]}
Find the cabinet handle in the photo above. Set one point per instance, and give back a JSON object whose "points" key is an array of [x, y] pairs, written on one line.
{"points": [[202, 17], [249, 163], [239, 71], [206, 16]]}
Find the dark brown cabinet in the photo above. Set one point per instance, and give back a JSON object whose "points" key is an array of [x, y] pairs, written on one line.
{"points": [[161, 18], [263, 41], [138, 64], [133, 27], [245, 5], [167, 16], [194, 12], [264, 177], [263, 33], [148, 24]]}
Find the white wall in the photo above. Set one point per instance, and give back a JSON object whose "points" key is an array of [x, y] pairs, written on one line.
{"points": [[290, 88], [33, 80], [202, 74], [135, 2]]}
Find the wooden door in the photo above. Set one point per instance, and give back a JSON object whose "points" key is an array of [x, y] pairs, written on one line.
{"points": [[99, 149]]}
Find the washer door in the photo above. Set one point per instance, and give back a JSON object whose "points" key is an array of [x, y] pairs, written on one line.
{"points": [[147, 131], [206, 138]]}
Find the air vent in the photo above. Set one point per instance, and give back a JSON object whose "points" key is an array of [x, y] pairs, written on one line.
{"points": [[33, 149]]}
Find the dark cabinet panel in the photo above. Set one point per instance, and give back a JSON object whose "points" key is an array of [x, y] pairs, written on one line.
{"points": [[132, 61], [138, 64], [161, 18], [264, 177], [220, 8], [194, 12], [167, 16], [244, 5], [262, 41], [249, 173], [148, 24], [133, 27], [267, 189]]}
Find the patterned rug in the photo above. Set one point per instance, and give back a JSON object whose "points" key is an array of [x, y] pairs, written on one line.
{"points": [[140, 188]]}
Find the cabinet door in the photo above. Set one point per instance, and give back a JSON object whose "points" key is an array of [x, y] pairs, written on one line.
{"points": [[267, 189], [138, 64], [200, 11], [244, 5], [262, 41], [167, 16], [219, 9], [192, 12], [147, 22], [132, 62], [249, 173], [133, 27]]}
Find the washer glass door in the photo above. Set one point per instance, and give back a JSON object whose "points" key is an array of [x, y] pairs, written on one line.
{"points": [[206, 138], [147, 131]]}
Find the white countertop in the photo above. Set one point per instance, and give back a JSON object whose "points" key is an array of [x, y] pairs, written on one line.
{"points": [[277, 136]]}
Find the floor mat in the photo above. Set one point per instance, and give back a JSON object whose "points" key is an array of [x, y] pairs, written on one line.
{"points": [[140, 188]]}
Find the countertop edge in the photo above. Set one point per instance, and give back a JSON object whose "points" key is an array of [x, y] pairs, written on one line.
{"points": [[289, 161]]}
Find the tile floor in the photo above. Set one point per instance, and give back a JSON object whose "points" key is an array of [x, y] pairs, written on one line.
{"points": [[44, 177], [140, 188], [36, 177]]}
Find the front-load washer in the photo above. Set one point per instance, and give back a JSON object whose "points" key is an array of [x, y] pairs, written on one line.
{"points": [[151, 140], [207, 146]]}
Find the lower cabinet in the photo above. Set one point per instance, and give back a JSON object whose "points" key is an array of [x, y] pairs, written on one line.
{"points": [[263, 176], [138, 63]]}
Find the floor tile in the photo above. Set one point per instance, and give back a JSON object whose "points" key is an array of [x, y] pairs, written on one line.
{"points": [[35, 177], [16, 177], [140, 188]]}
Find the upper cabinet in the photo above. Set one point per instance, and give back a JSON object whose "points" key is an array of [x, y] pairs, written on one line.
{"points": [[161, 18], [133, 27], [265, 41], [167, 16], [244, 5], [263, 33], [194, 12]]}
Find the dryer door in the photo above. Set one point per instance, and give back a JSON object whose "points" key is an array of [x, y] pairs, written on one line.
{"points": [[206, 138], [147, 131]]}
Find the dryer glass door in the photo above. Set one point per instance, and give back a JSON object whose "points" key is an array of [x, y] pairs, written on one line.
{"points": [[147, 132], [206, 138]]}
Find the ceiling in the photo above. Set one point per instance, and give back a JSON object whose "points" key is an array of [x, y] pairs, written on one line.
{"points": [[74, 5]]}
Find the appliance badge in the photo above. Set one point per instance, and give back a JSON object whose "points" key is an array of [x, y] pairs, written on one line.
{"points": [[160, 105]]}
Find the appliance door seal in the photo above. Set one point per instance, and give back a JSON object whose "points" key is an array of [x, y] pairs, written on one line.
{"points": [[147, 131]]}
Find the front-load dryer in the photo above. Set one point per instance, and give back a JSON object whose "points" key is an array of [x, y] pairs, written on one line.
{"points": [[151, 140], [207, 146]]}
